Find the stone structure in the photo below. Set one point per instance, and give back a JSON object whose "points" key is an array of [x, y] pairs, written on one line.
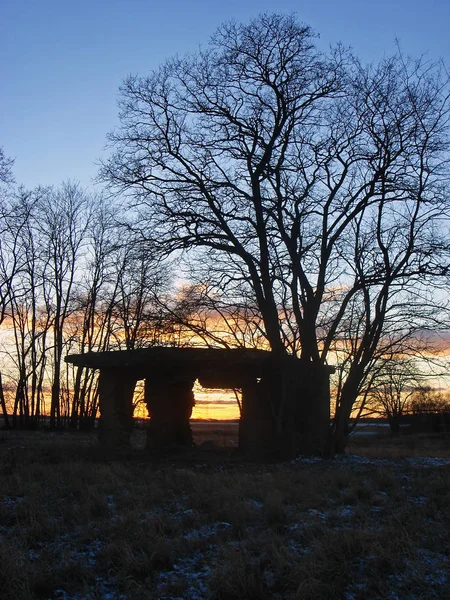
{"points": [[285, 402]]}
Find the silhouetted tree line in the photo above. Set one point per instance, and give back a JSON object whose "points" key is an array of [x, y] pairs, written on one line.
{"points": [[72, 280], [307, 193], [399, 387]]}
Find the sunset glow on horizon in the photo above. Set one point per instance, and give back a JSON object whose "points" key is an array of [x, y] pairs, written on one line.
{"points": [[215, 404]]}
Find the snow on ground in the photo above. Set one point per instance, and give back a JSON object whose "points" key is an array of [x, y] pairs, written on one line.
{"points": [[361, 462], [190, 573], [192, 570]]}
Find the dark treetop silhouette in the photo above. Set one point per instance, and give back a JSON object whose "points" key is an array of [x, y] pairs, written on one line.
{"points": [[306, 185]]}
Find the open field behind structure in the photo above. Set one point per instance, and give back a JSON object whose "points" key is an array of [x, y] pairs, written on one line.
{"points": [[76, 524], [221, 433]]}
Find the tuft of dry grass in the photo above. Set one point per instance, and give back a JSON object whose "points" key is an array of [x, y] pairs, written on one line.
{"points": [[77, 524]]}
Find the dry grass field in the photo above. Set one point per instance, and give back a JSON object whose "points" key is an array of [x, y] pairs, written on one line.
{"points": [[78, 524]]}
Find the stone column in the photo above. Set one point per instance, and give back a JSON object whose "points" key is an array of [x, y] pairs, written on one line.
{"points": [[169, 401], [256, 422], [303, 412], [287, 413], [312, 409], [116, 389]]}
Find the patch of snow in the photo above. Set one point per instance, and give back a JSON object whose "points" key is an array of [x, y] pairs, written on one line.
{"points": [[306, 460], [193, 571], [376, 509], [437, 566], [85, 553], [252, 503], [4, 530], [107, 590], [356, 588], [418, 500], [357, 461], [11, 500], [207, 531], [269, 579], [354, 460], [103, 589], [439, 577], [345, 511], [297, 548], [427, 461], [312, 512]]}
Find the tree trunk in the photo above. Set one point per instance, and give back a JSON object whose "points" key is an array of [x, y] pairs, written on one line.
{"points": [[338, 436], [55, 408], [76, 415], [394, 424], [3, 404]]}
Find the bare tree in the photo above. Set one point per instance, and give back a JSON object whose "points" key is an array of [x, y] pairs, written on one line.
{"points": [[8, 266], [140, 281], [427, 399], [29, 320], [318, 184], [6, 165], [62, 223], [391, 388], [71, 279], [118, 301], [196, 314], [41, 255], [90, 327]]}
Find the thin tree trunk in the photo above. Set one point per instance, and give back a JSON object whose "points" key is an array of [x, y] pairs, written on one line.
{"points": [[3, 404]]}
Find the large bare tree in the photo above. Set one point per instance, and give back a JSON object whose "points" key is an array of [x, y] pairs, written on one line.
{"points": [[310, 185]]}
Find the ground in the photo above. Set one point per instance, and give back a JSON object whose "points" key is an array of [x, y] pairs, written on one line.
{"points": [[76, 524]]}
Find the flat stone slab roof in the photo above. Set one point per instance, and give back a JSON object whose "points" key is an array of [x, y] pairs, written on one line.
{"points": [[214, 367], [159, 354], [161, 360]]}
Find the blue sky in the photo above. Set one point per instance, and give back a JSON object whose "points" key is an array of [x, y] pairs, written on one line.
{"points": [[62, 61]]}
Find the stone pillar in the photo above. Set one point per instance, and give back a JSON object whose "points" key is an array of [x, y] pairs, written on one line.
{"points": [[256, 422], [287, 413], [116, 389], [169, 401], [311, 410]]}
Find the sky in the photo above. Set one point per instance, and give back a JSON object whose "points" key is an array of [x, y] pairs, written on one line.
{"points": [[63, 62]]}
